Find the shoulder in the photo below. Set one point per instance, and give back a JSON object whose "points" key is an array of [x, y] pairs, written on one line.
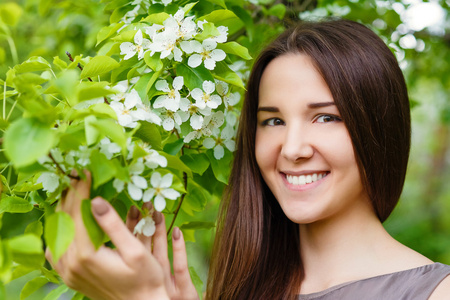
{"points": [[442, 290]]}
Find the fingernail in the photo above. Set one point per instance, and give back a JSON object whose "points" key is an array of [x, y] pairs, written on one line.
{"points": [[99, 206], [157, 217], [176, 234], [133, 213]]}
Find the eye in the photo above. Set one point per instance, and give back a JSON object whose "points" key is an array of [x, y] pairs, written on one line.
{"points": [[327, 119], [273, 122]]}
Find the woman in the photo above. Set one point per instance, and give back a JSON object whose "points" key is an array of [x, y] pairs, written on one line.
{"points": [[323, 146]]}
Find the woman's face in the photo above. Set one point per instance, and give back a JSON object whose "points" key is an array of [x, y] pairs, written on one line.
{"points": [[303, 148]]}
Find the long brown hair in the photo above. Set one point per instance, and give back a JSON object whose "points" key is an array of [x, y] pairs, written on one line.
{"points": [[256, 253]]}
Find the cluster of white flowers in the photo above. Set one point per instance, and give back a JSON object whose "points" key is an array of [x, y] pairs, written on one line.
{"points": [[178, 32], [129, 107]]}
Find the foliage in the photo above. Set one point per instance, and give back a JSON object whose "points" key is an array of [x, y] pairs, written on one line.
{"points": [[147, 99]]}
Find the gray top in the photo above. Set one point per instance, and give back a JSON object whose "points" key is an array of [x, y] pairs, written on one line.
{"points": [[418, 284]]}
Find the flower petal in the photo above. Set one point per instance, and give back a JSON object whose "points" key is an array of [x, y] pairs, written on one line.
{"points": [[168, 124], [155, 180], [162, 85], [166, 180], [194, 60], [138, 38], [208, 86], [219, 152], [218, 54], [159, 203], [170, 194], [148, 195], [210, 64], [134, 191], [209, 143], [178, 83]]}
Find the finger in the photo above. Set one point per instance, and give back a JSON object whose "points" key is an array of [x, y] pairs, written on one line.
{"points": [[160, 245], [79, 191], [180, 265], [108, 219], [133, 217]]}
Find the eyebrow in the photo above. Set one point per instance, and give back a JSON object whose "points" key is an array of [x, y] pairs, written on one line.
{"points": [[320, 104], [268, 109], [310, 105]]}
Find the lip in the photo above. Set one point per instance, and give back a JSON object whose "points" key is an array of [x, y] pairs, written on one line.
{"points": [[305, 186]]}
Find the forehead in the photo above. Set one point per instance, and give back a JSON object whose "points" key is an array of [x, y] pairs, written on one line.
{"points": [[292, 78]]}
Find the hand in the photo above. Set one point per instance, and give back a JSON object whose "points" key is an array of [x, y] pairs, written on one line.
{"points": [[130, 271], [179, 285]]}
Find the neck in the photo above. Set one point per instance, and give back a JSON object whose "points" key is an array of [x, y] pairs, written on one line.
{"points": [[337, 249]]}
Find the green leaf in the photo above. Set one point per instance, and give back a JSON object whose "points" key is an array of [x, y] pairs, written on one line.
{"points": [[149, 133], [15, 205], [278, 10], [98, 66], [193, 77], [221, 168], [196, 198], [175, 163], [94, 230], [198, 283], [154, 62], [102, 168], [61, 64], [59, 232], [106, 32], [33, 64], [197, 225], [174, 148], [10, 13], [236, 49], [218, 16], [198, 163], [209, 30], [26, 140], [112, 130], [26, 243], [32, 286], [158, 18], [35, 228], [90, 90], [224, 73], [56, 293], [218, 2], [92, 134]]}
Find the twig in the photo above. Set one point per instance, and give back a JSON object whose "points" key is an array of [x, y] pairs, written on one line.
{"points": [[177, 210], [61, 169], [81, 68]]}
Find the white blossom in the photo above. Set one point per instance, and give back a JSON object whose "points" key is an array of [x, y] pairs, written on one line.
{"points": [[145, 226], [171, 100], [205, 52], [170, 119], [136, 187], [131, 110], [219, 140], [140, 44], [166, 43], [222, 37], [204, 98], [160, 190], [49, 180], [109, 148]]}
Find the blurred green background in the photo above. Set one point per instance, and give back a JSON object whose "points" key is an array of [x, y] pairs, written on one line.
{"points": [[418, 32]]}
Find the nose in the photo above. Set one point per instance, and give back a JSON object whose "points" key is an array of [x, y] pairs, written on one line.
{"points": [[297, 144]]}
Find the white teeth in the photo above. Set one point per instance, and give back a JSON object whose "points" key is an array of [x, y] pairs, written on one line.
{"points": [[304, 179]]}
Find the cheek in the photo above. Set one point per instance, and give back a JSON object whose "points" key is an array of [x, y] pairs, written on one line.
{"points": [[263, 151]]}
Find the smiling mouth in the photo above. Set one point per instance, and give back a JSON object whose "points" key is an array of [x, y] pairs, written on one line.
{"points": [[305, 179]]}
